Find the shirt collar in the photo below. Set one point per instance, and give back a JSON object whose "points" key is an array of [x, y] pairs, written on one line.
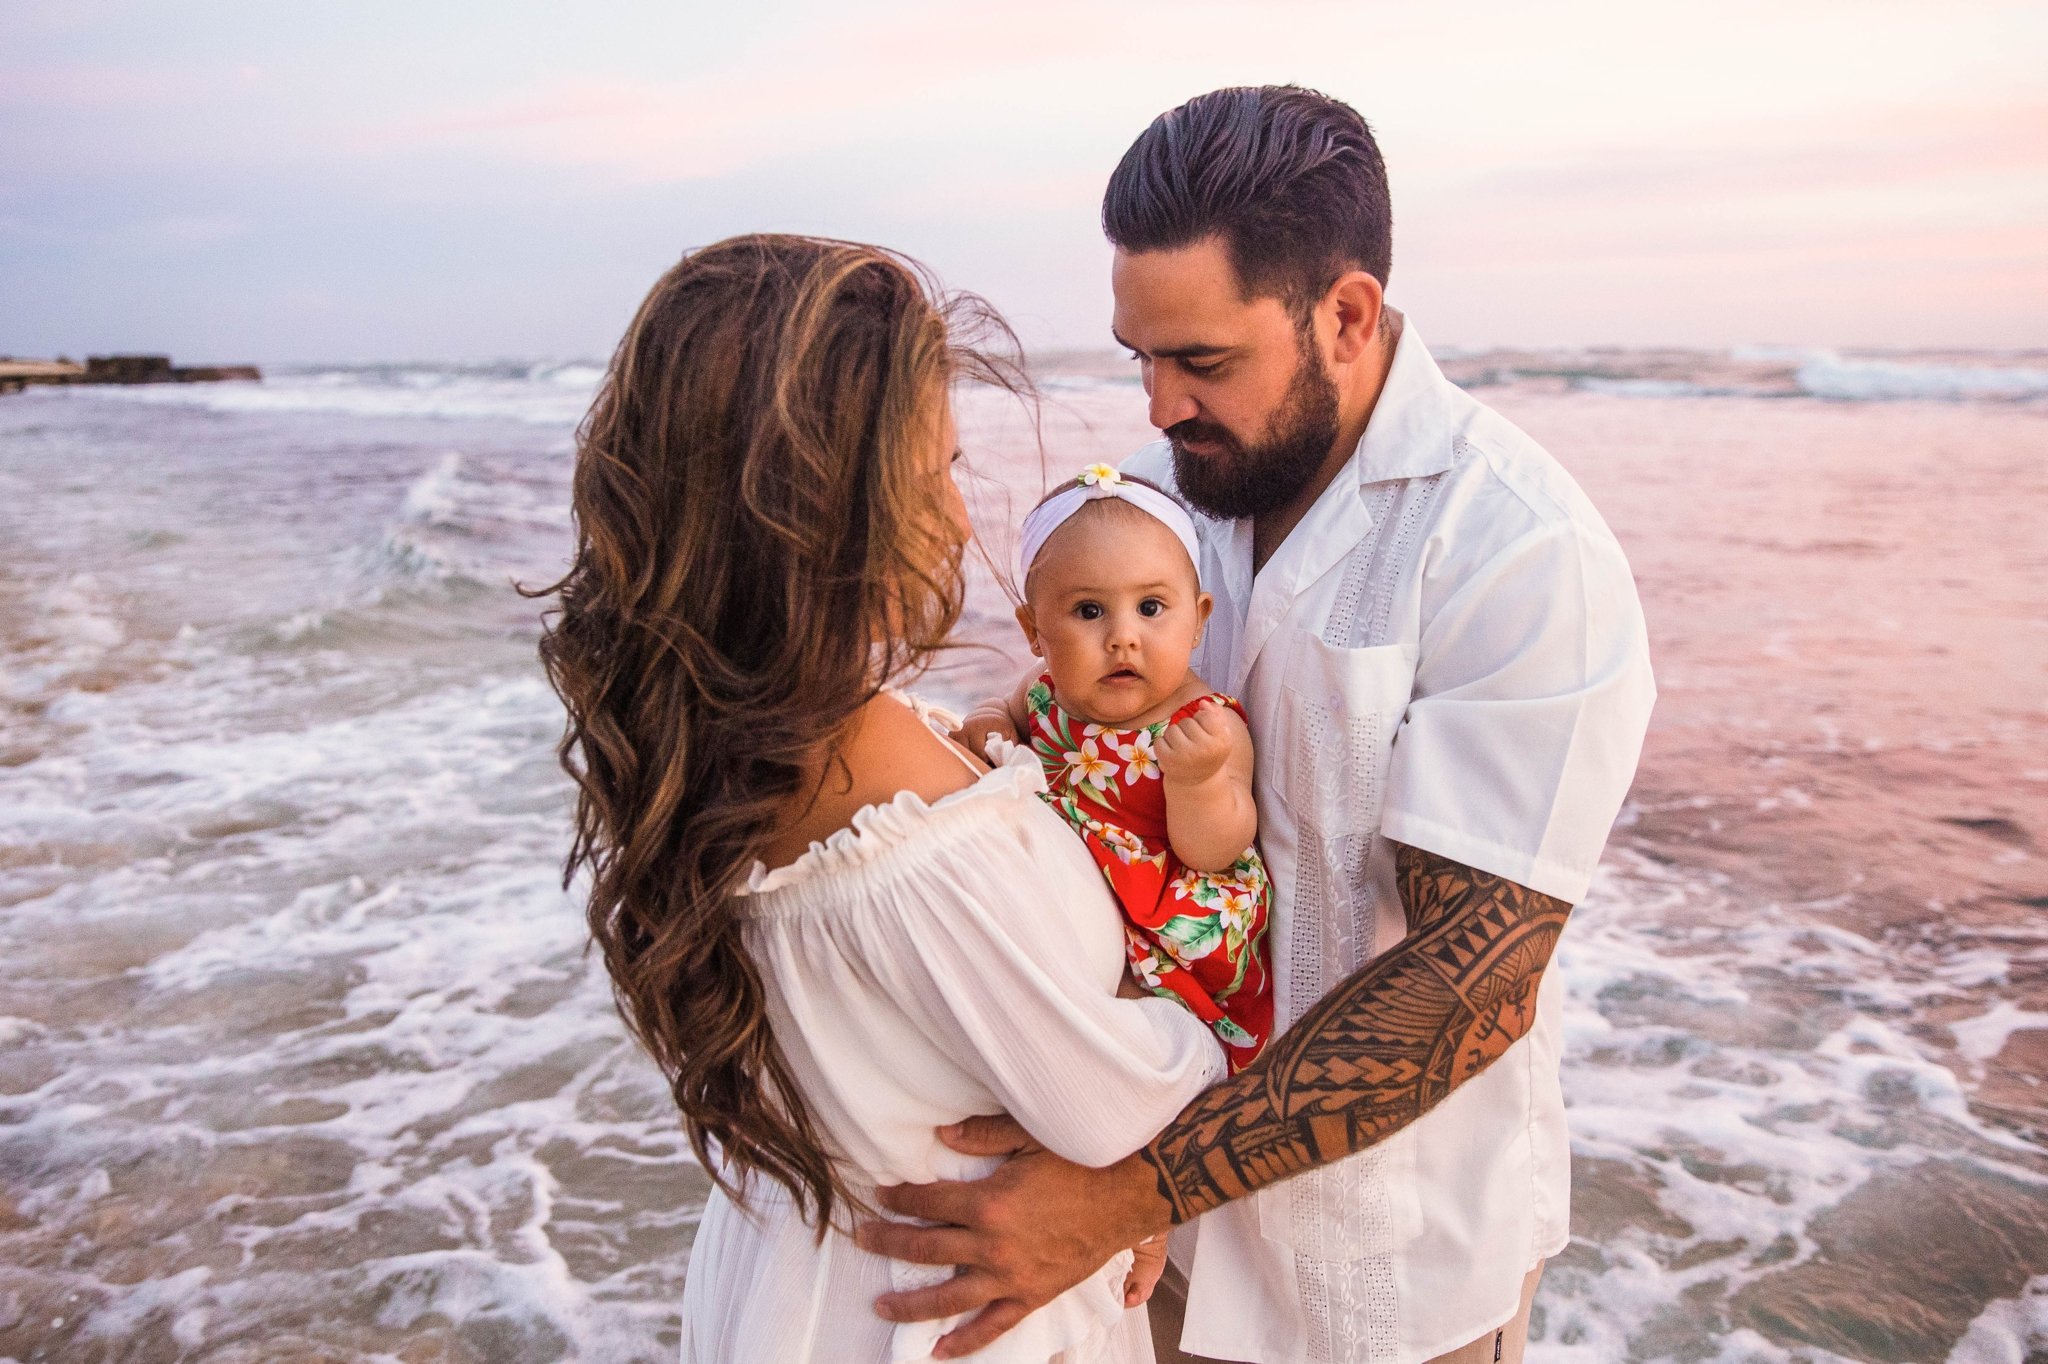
{"points": [[1409, 435], [1411, 431]]}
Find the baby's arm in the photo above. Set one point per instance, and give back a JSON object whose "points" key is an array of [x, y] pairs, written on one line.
{"points": [[1205, 761], [1009, 716]]}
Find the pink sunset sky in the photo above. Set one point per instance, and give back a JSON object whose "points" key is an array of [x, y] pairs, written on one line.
{"points": [[384, 180]]}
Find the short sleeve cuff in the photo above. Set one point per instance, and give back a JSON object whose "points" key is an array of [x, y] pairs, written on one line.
{"points": [[1545, 876]]}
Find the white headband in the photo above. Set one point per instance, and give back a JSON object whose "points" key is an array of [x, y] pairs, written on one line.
{"points": [[1096, 482]]}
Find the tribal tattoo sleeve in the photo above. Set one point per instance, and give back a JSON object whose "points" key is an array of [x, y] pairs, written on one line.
{"points": [[1381, 1049]]}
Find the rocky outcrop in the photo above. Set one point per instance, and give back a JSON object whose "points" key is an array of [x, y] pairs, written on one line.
{"points": [[16, 375]]}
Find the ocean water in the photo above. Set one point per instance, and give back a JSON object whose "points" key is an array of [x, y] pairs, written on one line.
{"points": [[302, 1056]]}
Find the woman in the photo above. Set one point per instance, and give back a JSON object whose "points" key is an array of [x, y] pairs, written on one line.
{"points": [[834, 930]]}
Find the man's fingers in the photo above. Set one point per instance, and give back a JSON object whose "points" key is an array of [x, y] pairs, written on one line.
{"points": [[981, 1332], [919, 1245], [942, 1201], [964, 1292], [996, 1134]]}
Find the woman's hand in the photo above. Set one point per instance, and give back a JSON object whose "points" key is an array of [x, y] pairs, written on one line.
{"points": [[1148, 1262], [990, 717]]}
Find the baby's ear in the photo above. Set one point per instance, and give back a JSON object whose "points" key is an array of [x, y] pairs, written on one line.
{"points": [[1204, 604], [1027, 621]]}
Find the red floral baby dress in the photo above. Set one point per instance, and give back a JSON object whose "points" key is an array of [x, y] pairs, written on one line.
{"points": [[1195, 936]]}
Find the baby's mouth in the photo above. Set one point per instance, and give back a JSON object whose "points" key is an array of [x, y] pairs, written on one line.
{"points": [[1124, 675]]}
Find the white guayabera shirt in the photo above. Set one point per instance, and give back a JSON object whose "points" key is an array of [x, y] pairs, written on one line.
{"points": [[1447, 652]]}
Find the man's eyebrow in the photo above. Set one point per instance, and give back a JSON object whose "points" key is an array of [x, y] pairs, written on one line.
{"points": [[1189, 352]]}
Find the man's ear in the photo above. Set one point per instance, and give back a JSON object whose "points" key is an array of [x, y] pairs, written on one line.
{"points": [[1027, 621], [1355, 303]]}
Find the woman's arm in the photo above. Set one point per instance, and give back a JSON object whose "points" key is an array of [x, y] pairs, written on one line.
{"points": [[1005, 955]]}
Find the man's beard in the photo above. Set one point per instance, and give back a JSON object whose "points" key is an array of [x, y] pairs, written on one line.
{"points": [[1236, 480]]}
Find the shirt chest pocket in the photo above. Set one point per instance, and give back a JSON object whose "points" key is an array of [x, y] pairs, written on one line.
{"points": [[1346, 705]]}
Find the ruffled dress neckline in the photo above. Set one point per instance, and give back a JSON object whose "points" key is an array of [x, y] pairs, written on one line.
{"points": [[881, 825], [877, 827]]}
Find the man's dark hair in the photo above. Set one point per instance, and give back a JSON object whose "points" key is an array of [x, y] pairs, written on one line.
{"points": [[1291, 179]]}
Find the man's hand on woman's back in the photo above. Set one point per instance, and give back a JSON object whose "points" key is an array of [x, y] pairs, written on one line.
{"points": [[1016, 1236]]}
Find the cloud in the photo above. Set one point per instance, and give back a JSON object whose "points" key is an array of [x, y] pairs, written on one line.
{"points": [[821, 88], [1885, 146], [97, 86], [184, 231], [1932, 190], [1618, 162]]}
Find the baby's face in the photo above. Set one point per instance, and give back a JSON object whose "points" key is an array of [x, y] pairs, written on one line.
{"points": [[1113, 608]]}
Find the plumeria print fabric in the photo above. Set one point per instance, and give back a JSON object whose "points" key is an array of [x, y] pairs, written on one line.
{"points": [[1198, 937]]}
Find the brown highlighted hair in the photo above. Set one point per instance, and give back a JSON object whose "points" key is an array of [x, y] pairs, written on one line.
{"points": [[759, 548], [1291, 179]]}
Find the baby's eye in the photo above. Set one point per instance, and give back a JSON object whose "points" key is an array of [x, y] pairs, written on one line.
{"points": [[1089, 610], [1151, 606]]}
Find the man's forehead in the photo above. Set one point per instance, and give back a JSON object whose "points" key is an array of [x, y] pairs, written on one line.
{"points": [[1185, 298]]}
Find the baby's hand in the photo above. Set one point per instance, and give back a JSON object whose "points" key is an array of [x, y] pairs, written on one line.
{"points": [[991, 717], [1192, 750], [1148, 1262]]}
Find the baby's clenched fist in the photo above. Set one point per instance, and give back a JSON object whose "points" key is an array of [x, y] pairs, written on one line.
{"points": [[1194, 749]]}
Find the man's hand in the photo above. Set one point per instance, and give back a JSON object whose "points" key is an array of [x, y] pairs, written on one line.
{"points": [[1194, 749], [1021, 1237]]}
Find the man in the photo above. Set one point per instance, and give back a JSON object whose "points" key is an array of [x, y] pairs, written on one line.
{"points": [[1440, 648]]}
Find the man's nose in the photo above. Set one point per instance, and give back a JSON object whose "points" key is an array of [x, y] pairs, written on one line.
{"points": [[1171, 401]]}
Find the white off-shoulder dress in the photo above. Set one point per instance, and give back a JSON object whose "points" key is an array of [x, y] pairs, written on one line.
{"points": [[933, 961]]}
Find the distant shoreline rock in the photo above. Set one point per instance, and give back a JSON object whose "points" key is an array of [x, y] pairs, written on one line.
{"points": [[16, 375]]}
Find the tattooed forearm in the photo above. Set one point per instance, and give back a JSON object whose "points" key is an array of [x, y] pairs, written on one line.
{"points": [[1381, 1049]]}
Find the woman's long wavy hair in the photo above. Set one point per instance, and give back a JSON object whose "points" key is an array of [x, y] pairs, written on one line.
{"points": [[761, 546]]}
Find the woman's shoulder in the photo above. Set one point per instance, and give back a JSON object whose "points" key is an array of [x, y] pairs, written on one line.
{"points": [[888, 748], [893, 774]]}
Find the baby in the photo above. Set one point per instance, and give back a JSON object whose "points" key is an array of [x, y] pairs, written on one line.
{"points": [[1149, 766]]}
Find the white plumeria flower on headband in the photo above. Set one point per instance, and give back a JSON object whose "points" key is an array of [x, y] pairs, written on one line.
{"points": [[1100, 476]]}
